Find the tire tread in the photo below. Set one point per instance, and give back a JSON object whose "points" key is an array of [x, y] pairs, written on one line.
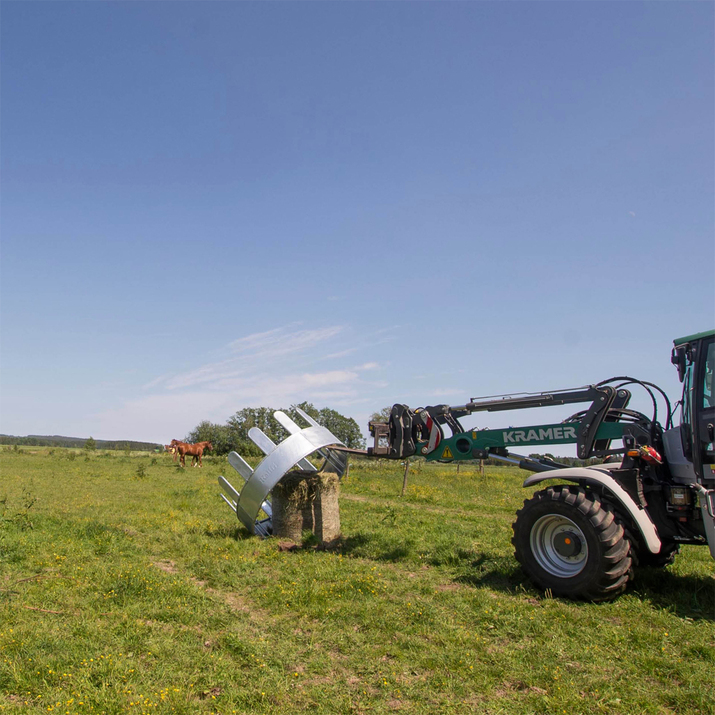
{"points": [[610, 577]]}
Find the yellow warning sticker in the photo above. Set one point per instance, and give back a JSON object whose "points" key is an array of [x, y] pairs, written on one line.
{"points": [[447, 454]]}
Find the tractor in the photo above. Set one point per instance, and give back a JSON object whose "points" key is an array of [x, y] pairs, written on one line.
{"points": [[632, 503]]}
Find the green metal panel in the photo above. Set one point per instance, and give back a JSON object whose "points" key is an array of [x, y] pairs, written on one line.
{"points": [[462, 446], [691, 338]]}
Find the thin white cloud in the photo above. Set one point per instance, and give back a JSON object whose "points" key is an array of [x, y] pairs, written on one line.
{"points": [[274, 368], [281, 341], [342, 353], [368, 366], [284, 387], [155, 382], [249, 354], [173, 414], [161, 418]]}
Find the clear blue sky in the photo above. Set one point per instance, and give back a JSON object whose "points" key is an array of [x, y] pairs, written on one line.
{"points": [[207, 206]]}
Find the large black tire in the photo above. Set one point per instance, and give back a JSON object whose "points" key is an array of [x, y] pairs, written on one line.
{"points": [[569, 542]]}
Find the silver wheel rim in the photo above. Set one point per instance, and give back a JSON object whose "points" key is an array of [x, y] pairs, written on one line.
{"points": [[559, 546]]}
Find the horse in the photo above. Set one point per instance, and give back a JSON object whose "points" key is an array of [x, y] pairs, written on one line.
{"points": [[195, 451], [173, 447]]}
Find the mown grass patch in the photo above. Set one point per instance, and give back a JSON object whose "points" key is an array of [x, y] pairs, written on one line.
{"points": [[128, 594]]}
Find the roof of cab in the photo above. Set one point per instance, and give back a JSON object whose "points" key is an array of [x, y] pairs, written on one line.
{"points": [[696, 336]]}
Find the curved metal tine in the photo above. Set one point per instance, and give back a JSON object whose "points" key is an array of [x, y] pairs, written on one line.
{"points": [[263, 528], [240, 465], [229, 502], [338, 462], [267, 445], [261, 440], [225, 484], [291, 427], [246, 471], [286, 422], [307, 418]]}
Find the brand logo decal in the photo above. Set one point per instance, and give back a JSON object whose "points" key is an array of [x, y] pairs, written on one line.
{"points": [[539, 435]]}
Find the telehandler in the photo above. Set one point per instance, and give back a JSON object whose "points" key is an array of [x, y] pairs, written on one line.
{"points": [[582, 538]]}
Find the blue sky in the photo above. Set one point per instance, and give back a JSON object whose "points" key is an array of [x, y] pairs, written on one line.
{"points": [[208, 206]]}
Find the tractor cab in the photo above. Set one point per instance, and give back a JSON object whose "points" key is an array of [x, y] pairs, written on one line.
{"points": [[690, 447]]}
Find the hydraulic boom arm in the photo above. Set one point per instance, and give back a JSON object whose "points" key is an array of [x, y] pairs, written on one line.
{"points": [[421, 431]]}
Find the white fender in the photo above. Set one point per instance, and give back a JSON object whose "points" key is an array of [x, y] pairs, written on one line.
{"points": [[601, 476]]}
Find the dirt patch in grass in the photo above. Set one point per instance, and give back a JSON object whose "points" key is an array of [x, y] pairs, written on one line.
{"points": [[509, 689], [238, 603], [212, 693], [233, 600], [168, 566], [449, 587]]}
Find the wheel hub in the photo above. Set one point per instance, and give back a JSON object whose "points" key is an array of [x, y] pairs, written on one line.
{"points": [[559, 546], [567, 544]]}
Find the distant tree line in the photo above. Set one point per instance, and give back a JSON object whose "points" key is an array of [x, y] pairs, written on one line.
{"points": [[78, 443], [233, 436]]}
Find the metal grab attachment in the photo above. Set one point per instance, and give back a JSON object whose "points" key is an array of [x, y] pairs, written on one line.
{"points": [[279, 460]]}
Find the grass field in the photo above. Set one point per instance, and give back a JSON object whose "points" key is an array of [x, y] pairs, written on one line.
{"points": [[127, 586]]}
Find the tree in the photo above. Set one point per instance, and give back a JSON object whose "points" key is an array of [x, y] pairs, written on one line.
{"points": [[344, 428], [222, 439], [234, 434], [262, 418], [382, 416], [307, 407], [90, 444]]}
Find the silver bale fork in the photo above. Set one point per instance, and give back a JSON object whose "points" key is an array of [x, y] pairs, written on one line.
{"points": [[281, 458]]}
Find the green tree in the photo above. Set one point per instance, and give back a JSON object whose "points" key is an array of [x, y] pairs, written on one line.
{"points": [[222, 439], [241, 423], [90, 444], [344, 428], [382, 416], [308, 407], [234, 434]]}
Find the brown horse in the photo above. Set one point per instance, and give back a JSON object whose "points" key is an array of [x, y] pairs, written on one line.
{"points": [[173, 448], [195, 451]]}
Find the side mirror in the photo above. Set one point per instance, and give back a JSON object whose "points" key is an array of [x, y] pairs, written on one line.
{"points": [[679, 359]]}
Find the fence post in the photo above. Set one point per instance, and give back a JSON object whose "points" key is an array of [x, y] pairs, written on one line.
{"points": [[404, 478]]}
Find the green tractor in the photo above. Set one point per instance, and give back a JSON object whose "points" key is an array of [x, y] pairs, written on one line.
{"points": [[655, 490]]}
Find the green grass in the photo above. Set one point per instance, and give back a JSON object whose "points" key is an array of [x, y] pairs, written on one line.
{"points": [[127, 586]]}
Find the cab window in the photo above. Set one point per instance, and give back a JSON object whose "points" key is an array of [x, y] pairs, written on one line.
{"points": [[686, 417], [708, 400]]}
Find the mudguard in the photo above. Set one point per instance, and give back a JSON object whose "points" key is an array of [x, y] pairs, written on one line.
{"points": [[601, 477]]}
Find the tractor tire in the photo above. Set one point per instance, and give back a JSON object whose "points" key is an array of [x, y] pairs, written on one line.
{"points": [[569, 543]]}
